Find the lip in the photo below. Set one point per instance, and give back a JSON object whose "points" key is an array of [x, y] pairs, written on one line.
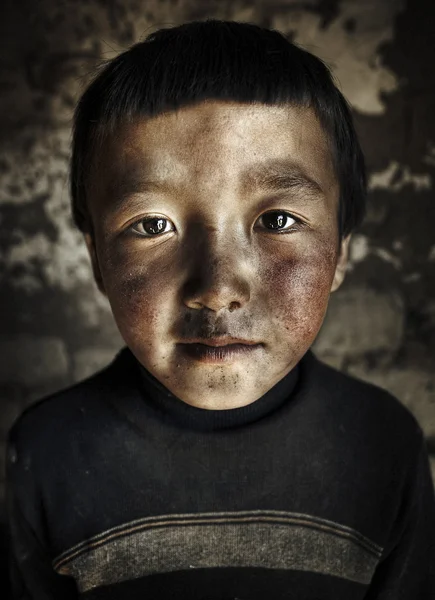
{"points": [[220, 341], [219, 350]]}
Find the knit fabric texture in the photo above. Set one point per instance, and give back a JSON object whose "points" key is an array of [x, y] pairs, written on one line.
{"points": [[320, 489]]}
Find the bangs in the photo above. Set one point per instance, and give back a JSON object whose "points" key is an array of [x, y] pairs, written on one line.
{"points": [[219, 60]]}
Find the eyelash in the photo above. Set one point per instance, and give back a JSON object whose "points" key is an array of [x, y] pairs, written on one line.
{"points": [[298, 224]]}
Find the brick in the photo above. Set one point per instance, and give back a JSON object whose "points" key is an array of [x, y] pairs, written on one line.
{"points": [[90, 360], [32, 361], [10, 408], [358, 321], [415, 388], [11, 401]]}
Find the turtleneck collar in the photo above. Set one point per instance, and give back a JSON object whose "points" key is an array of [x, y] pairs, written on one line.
{"points": [[174, 409]]}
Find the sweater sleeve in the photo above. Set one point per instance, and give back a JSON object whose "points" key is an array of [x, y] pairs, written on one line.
{"points": [[407, 571], [31, 574]]}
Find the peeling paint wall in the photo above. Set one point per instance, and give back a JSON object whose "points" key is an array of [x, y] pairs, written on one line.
{"points": [[55, 327]]}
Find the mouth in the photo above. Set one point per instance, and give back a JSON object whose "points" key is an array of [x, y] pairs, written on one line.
{"points": [[219, 349]]}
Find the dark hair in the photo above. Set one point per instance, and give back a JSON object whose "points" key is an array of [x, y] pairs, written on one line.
{"points": [[224, 60]]}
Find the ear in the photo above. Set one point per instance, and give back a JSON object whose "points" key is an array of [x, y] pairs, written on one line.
{"points": [[340, 269], [90, 244]]}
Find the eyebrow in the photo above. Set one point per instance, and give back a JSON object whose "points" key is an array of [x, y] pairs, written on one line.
{"points": [[279, 175], [131, 183], [275, 175]]}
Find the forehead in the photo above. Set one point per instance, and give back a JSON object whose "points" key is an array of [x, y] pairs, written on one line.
{"points": [[218, 143]]}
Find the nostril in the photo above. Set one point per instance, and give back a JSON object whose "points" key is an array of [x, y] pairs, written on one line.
{"points": [[233, 306]]}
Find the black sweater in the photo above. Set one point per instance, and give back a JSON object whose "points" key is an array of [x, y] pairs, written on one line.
{"points": [[321, 489]]}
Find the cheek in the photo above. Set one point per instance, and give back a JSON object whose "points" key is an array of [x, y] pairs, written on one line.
{"points": [[299, 289], [138, 293]]}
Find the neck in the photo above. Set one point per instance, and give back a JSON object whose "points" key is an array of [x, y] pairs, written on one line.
{"points": [[208, 417]]}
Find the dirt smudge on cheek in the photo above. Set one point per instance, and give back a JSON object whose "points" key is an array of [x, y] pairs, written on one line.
{"points": [[133, 285], [299, 293], [134, 294], [137, 294]]}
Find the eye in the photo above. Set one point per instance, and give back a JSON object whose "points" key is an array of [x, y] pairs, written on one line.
{"points": [[279, 221], [152, 226]]}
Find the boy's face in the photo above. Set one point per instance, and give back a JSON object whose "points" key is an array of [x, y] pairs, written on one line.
{"points": [[191, 247]]}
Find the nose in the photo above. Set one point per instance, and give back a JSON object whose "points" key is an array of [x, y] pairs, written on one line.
{"points": [[218, 278]]}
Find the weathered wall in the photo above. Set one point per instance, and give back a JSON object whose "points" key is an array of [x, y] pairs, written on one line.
{"points": [[56, 329]]}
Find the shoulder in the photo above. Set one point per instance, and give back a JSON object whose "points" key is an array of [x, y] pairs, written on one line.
{"points": [[62, 414], [364, 407]]}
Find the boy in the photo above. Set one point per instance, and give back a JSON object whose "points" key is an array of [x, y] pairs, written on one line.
{"points": [[216, 177]]}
